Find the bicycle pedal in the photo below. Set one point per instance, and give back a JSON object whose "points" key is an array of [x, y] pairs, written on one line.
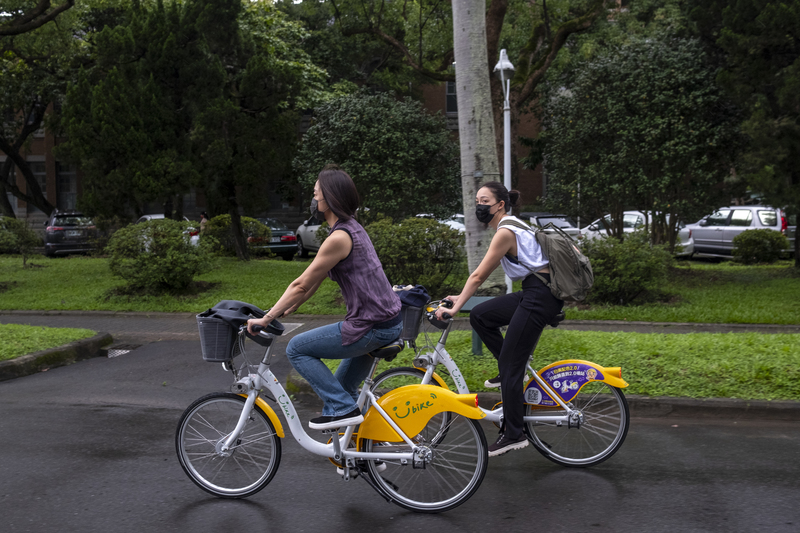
{"points": [[329, 431]]}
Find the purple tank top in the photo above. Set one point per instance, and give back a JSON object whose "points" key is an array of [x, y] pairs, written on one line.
{"points": [[367, 293]]}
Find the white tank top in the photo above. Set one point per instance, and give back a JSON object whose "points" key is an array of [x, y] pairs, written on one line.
{"points": [[530, 256]]}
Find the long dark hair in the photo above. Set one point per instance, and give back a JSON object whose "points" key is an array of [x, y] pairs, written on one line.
{"points": [[339, 192], [499, 191]]}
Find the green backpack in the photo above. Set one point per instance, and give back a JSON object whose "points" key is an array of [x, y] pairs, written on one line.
{"points": [[571, 274]]}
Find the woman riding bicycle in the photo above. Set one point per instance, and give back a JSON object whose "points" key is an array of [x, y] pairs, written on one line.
{"points": [[526, 312], [373, 309]]}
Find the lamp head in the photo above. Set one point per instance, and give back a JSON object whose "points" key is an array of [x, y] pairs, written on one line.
{"points": [[504, 69]]}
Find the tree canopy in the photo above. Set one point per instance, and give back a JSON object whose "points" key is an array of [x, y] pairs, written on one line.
{"points": [[185, 94], [643, 126], [23, 16], [758, 47], [401, 158]]}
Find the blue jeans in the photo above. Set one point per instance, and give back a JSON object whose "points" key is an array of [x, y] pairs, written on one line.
{"points": [[339, 392]]}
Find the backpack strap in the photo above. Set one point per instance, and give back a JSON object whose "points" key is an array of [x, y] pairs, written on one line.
{"points": [[521, 225]]}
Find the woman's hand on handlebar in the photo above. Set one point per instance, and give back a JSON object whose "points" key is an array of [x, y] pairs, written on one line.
{"points": [[446, 307], [263, 322]]}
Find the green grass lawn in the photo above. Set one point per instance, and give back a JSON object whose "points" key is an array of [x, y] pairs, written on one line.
{"points": [[698, 365], [703, 292], [84, 283], [716, 293], [17, 340]]}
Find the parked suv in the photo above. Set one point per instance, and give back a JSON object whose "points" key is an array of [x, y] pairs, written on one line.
{"points": [[68, 232], [714, 234]]}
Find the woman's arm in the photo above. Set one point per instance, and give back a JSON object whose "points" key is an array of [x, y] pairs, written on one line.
{"points": [[502, 242], [335, 248]]}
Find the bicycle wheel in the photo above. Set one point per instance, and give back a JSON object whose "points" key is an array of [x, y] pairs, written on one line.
{"points": [[600, 432], [455, 469], [405, 375], [241, 471]]}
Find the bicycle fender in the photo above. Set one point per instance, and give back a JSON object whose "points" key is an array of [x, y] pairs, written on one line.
{"points": [[411, 407], [567, 378], [270, 412], [436, 378]]}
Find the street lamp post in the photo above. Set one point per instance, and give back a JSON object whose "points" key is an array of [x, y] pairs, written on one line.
{"points": [[505, 71]]}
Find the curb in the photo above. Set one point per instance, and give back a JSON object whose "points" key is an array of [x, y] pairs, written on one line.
{"points": [[55, 357], [649, 406]]}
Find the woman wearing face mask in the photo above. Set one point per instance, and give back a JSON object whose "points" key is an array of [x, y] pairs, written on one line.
{"points": [[526, 312], [373, 309]]}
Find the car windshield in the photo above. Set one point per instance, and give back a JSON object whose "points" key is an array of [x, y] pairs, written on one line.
{"points": [[561, 222], [272, 223], [72, 220]]}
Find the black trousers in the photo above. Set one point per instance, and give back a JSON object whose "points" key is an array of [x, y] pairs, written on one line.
{"points": [[526, 313]]}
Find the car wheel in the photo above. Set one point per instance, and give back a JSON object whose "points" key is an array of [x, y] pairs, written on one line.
{"points": [[288, 257], [301, 251]]}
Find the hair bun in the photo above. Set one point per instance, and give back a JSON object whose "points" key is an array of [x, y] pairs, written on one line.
{"points": [[513, 197]]}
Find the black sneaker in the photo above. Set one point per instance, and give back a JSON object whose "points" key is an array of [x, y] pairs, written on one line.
{"points": [[504, 445], [322, 423], [492, 383]]}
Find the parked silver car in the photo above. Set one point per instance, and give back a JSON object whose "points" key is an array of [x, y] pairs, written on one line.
{"points": [[633, 220], [714, 234], [566, 223], [307, 238]]}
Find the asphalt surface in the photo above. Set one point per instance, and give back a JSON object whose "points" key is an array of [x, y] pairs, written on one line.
{"points": [[90, 447]]}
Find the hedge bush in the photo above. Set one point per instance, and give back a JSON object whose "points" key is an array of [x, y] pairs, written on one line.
{"points": [[219, 228], [158, 255], [759, 246], [627, 270], [419, 251], [17, 238]]}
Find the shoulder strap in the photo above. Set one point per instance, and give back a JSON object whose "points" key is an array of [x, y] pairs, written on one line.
{"points": [[514, 222]]}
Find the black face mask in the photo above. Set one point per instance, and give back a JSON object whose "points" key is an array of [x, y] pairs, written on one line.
{"points": [[316, 214], [482, 212]]}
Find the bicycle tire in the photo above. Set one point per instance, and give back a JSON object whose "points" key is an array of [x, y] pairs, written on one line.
{"points": [[456, 470], [244, 470], [406, 375], [600, 434]]}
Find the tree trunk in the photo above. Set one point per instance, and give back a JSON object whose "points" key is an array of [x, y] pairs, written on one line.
{"points": [[236, 227], [476, 128]]}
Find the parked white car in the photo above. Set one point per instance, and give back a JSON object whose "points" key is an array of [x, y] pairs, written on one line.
{"points": [[454, 222], [633, 220], [194, 233], [307, 238], [714, 234]]}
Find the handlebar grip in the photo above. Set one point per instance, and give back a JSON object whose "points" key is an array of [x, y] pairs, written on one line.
{"points": [[258, 329], [447, 303], [447, 316]]}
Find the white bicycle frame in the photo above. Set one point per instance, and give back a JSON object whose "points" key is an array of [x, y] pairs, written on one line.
{"points": [[337, 449], [429, 361]]}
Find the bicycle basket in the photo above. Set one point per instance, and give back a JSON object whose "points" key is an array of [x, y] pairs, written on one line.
{"points": [[412, 318], [217, 339]]}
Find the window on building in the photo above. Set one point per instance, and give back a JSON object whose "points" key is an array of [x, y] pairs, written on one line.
{"points": [[40, 174], [450, 105], [66, 186], [12, 178]]}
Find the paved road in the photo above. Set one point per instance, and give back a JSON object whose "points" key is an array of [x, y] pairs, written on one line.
{"points": [[89, 447]]}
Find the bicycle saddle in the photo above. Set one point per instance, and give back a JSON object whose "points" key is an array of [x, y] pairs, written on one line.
{"points": [[558, 318], [389, 351]]}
